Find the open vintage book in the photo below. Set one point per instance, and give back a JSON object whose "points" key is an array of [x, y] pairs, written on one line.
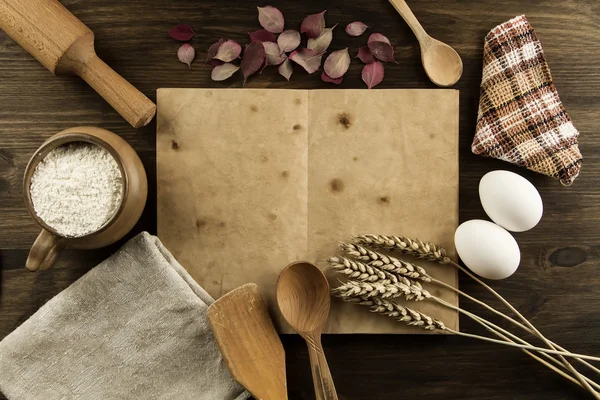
{"points": [[250, 180]]}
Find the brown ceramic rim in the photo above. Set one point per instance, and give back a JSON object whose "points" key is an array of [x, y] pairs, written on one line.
{"points": [[52, 144]]}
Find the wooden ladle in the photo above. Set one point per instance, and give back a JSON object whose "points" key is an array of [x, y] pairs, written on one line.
{"points": [[442, 63], [303, 298]]}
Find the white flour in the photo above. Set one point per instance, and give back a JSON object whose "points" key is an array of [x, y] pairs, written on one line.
{"points": [[76, 188]]}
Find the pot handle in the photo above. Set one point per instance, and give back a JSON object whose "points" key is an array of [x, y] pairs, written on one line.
{"points": [[44, 252]]}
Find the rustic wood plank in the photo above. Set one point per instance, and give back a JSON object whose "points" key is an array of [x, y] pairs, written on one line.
{"points": [[557, 284]]}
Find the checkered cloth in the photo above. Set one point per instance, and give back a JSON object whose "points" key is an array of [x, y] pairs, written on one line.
{"points": [[521, 118]]}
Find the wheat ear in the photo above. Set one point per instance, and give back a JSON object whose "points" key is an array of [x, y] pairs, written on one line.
{"points": [[413, 247], [385, 262]]}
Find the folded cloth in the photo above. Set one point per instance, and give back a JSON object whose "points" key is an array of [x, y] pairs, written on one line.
{"points": [[134, 327], [521, 118]]}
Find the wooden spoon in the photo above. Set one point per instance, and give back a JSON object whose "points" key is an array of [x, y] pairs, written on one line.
{"points": [[303, 298], [442, 63], [249, 342]]}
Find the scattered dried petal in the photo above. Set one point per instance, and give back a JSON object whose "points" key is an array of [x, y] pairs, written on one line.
{"points": [[356, 28], [378, 37], [182, 32], [228, 51], [382, 51], [313, 25], [262, 36], [273, 53], [271, 19], [288, 40], [337, 63], [372, 74], [321, 43], [186, 54], [308, 59], [224, 71], [286, 69], [212, 51], [327, 78], [253, 59], [364, 54]]}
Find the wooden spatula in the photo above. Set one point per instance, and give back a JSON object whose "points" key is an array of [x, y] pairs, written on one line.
{"points": [[249, 342]]}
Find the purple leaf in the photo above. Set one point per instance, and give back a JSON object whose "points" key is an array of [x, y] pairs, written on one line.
{"points": [[308, 59], [228, 51], [382, 51], [186, 54], [313, 25], [212, 51], [356, 28], [224, 71], [337, 64], [321, 43], [288, 40], [372, 74], [271, 19], [326, 78], [253, 59], [364, 54], [182, 32], [286, 69], [273, 53], [262, 36], [378, 37]]}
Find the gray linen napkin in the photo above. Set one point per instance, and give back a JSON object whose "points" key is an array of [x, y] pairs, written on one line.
{"points": [[134, 327]]}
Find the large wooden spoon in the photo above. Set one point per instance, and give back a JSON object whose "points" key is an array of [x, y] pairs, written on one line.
{"points": [[303, 298], [442, 63]]}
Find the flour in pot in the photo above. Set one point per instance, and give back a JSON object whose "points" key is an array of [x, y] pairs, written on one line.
{"points": [[76, 188]]}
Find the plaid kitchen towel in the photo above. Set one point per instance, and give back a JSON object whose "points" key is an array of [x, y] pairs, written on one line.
{"points": [[521, 118]]}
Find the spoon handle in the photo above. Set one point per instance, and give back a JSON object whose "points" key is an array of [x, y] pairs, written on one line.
{"points": [[324, 387], [410, 19]]}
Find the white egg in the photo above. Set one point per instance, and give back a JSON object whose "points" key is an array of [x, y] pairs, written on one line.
{"points": [[510, 200], [487, 249]]}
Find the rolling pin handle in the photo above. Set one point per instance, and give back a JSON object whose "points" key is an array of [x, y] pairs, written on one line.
{"points": [[136, 108]]}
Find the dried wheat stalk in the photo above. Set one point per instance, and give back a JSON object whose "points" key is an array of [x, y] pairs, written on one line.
{"points": [[361, 271], [402, 288], [413, 247], [432, 252], [398, 312], [385, 262]]}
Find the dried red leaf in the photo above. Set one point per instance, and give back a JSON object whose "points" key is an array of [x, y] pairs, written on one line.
{"points": [[372, 74], [356, 28], [186, 54], [271, 19], [273, 54], [252, 59], [382, 51], [364, 54], [222, 72], [262, 36], [337, 63], [313, 25], [308, 59], [228, 51], [286, 69], [182, 32], [212, 51], [288, 40], [321, 43], [327, 78], [378, 37]]}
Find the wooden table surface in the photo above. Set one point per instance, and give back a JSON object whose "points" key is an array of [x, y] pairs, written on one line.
{"points": [[555, 286]]}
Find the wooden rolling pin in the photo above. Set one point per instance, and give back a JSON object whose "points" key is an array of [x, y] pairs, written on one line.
{"points": [[63, 44]]}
